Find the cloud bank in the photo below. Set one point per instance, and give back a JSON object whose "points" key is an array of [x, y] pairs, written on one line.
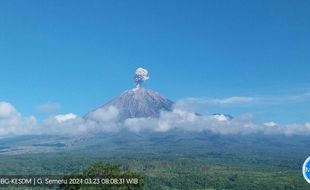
{"points": [[105, 120], [12, 123], [189, 121]]}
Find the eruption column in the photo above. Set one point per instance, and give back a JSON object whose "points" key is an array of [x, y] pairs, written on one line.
{"points": [[141, 75]]}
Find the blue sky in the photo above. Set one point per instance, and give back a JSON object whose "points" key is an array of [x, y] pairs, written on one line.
{"points": [[80, 54]]}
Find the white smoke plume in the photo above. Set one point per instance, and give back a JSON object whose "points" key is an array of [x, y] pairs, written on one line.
{"points": [[141, 75]]}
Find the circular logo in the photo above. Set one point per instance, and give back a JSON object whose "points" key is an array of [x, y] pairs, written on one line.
{"points": [[306, 169]]}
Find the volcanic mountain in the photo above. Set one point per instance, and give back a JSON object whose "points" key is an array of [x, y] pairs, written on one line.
{"points": [[138, 102]]}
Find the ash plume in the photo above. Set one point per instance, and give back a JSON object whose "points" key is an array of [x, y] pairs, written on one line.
{"points": [[141, 75]]}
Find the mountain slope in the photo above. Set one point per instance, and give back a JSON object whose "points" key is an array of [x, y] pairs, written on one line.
{"points": [[138, 102]]}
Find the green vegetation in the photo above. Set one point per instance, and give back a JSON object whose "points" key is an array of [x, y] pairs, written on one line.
{"points": [[102, 176], [167, 172], [201, 162]]}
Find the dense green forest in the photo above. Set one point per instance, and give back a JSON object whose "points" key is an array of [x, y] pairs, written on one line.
{"points": [[162, 172], [201, 162]]}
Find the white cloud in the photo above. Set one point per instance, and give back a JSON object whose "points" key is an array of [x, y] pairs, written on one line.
{"points": [[105, 120], [48, 107], [270, 124], [194, 103], [104, 115], [12, 123], [233, 100], [298, 97], [188, 121], [65, 117], [7, 110], [70, 124], [221, 117], [140, 124]]}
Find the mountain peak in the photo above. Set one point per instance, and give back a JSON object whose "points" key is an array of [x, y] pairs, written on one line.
{"points": [[139, 102]]}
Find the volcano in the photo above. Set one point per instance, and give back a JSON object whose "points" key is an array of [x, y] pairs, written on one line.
{"points": [[138, 102]]}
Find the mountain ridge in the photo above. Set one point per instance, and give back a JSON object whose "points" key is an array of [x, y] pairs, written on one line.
{"points": [[136, 103]]}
